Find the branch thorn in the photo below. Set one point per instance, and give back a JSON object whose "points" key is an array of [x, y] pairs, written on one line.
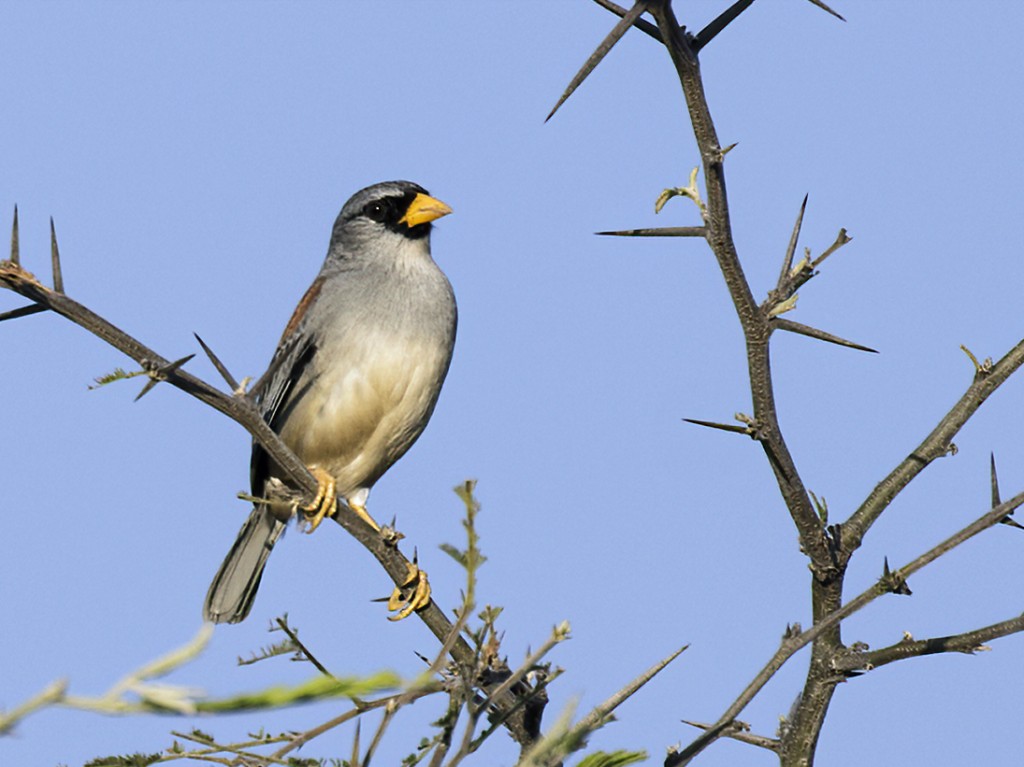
{"points": [[58, 277], [15, 240], [600, 52], [221, 368], [893, 580], [158, 374]]}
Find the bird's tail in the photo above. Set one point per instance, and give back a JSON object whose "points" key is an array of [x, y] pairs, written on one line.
{"points": [[234, 587]]}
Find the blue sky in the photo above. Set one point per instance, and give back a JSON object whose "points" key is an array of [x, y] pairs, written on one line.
{"points": [[194, 156]]}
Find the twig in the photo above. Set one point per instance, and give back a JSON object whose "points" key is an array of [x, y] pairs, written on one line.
{"points": [[602, 711], [935, 445], [969, 642], [294, 638], [741, 734], [302, 738], [52, 693]]}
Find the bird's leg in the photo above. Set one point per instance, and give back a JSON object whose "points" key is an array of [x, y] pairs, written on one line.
{"points": [[364, 515], [325, 503], [412, 595]]}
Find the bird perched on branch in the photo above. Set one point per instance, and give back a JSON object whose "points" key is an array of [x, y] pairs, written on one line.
{"points": [[353, 382]]}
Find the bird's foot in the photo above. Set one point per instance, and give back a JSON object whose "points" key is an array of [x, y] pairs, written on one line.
{"points": [[324, 504], [412, 595]]}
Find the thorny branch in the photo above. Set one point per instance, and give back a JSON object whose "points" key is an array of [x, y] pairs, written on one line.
{"points": [[968, 642], [239, 406], [828, 547], [795, 639]]}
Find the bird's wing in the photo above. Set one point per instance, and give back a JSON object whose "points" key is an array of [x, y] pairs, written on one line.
{"points": [[279, 388]]}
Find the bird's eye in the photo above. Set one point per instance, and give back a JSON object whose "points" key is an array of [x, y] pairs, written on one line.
{"points": [[376, 211]]}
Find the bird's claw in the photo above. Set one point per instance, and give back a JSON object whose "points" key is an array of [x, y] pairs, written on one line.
{"points": [[324, 504], [412, 595]]}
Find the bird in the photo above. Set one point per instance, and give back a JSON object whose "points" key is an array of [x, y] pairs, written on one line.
{"points": [[352, 383]]}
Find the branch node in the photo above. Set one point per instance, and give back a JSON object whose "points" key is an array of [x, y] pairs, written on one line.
{"points": [[159, 373], [894, 582], [781, 307]]}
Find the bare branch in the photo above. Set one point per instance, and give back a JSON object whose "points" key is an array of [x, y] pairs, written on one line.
{"points": [[299, 740], [294, 638], [755, 322], [740, 731], [600, 52], [841, 239], [602, 711], [934, 446], [968, 643], [794, 639]]}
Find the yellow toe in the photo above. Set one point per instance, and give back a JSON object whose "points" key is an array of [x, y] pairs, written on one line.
{"points": [[412, 595], [324, 503]]}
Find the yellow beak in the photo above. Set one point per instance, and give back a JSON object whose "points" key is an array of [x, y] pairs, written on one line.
{"points": [[422, 209]]}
